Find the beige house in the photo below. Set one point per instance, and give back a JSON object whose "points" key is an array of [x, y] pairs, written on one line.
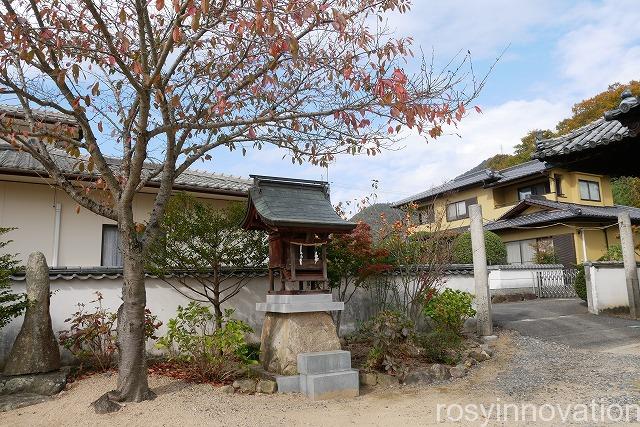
{"points": [[47, 220]]}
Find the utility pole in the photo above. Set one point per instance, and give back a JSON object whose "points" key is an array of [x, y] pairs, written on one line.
{"points": [[630, 269], [480, 273]]}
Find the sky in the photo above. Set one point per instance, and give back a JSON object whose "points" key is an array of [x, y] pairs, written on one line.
{"points": [[557, 53]]}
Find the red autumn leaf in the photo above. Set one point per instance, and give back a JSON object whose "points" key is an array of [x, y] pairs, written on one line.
{"points": [[176, 34], [478, 109], [159, 4], [252, 133]]}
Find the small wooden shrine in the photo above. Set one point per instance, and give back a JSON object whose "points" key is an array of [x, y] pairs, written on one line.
{"points": [[299, 218]]}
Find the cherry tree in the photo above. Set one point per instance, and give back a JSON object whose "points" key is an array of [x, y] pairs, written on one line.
{"points": [[163, 83]]}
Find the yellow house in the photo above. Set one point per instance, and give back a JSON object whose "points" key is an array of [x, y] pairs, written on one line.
{"points": [[533, 207]]}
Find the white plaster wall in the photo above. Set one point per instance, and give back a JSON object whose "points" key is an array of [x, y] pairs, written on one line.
{"points": [[606, 287], [503, 280], [162, 300], [461, 282]]}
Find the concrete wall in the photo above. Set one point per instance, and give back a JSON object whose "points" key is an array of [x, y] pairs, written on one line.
{"points": [[606, 286]]}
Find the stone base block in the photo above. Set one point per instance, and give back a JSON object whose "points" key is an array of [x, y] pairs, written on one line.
{"points": [[285, 335], [42, 384], [299, 303], [334, 385], [288, 384], [324, 362]]}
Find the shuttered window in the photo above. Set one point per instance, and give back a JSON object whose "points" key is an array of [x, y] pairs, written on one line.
{"points": [[565, 249]]}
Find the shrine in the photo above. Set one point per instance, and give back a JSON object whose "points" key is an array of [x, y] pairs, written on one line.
{"points": [[299, 341]]}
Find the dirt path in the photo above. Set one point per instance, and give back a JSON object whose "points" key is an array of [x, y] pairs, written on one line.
{"points": [[523, 370]]}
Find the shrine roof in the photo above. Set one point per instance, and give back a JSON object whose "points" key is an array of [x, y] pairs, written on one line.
{"points": [[276, 202]]}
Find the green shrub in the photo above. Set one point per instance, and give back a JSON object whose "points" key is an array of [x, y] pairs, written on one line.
{"points": [[11, 304], [92, 334], [440, 346], [207, 353], [614, 253], [580, 283], [495, 247], [390, 334], [546, 257], [449, 309]]}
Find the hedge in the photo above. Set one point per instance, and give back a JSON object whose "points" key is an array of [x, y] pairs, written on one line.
{"points": [[496, 249]]}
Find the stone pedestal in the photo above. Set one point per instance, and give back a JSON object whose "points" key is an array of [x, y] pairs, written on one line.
{"points": [[285, 335], [300, 344]]}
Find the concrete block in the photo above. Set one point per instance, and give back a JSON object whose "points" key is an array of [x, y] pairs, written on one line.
{"points": [[323, 362], [288, 384], [290, 299], [334, 385]]}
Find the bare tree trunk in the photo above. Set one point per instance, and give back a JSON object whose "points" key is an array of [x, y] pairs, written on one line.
{"points": [[216, 297], [133, 385]]}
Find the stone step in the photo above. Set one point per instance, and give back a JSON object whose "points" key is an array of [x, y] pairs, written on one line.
{"points": [[324, 362], [288, 383], [334, 385]]}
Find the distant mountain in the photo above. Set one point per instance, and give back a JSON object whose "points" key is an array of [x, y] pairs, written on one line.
{"points": [[371, 215]]}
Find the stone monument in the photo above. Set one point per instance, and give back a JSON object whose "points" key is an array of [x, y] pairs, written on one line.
{"points": [[35, 349], [299, 342]]}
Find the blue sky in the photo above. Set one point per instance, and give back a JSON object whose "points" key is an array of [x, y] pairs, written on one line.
{"points": [[560, 52]]}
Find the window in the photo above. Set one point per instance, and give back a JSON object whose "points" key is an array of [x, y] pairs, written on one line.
{"points": [[426, 215], [533, 190], [111, 254], [589, 190], [558, 183], [521, 251], [459, 210], [524, 251]]}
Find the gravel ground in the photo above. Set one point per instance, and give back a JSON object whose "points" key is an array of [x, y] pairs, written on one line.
{"points": [[522, 370]]}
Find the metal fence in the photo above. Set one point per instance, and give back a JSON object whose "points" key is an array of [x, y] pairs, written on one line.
{"points": [[556, 283]]}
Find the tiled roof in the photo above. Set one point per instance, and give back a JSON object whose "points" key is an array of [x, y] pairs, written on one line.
{"points": [[610, 129], [282, 202], [49, 116], [113, 273], [14, 161], [485, 177], [558, 212], [599, 132]]}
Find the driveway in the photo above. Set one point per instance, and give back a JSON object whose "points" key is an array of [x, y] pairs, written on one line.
{"points": [[567, 321]]}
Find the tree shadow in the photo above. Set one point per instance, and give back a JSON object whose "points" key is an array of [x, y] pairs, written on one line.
{"points": [[171, 387]]}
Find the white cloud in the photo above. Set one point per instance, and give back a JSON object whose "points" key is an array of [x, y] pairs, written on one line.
{"points": [[484, 27], [420, 165], [603, 47]]}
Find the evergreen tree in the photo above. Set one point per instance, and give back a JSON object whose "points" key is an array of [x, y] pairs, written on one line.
{"points": [[11, 304]]}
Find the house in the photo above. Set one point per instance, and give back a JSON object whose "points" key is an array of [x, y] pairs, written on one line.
{"points": [[44, 218], [534, 207]]}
